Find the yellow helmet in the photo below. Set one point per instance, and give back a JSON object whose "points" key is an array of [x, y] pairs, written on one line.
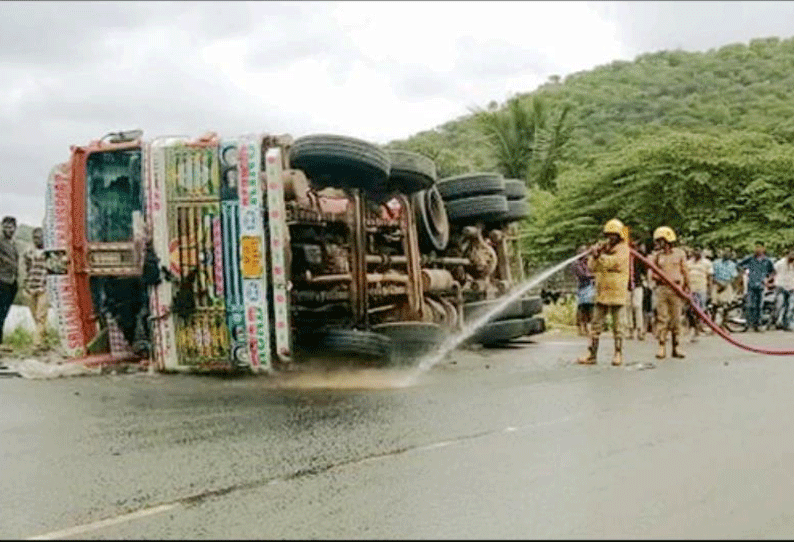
{"points": [[664, 232], [615, 226]]}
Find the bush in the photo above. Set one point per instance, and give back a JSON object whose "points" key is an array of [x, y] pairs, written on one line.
{"points": [[561, 315], [21, 340]]}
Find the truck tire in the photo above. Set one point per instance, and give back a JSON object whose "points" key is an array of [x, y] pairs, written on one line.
{"points": [[476, 309], [471, 184], [517, 209], [340, 162], [471, 209], [532, 306], [410, 172], [411, 340], [533, 326], [499, 332], [432, 222], [515, 189], [354, 343]]}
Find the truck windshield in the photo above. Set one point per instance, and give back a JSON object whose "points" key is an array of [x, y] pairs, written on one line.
{"points": [[113, 190]]}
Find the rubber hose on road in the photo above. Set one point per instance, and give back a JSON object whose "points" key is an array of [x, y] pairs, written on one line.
{"points": [[703, 316]]}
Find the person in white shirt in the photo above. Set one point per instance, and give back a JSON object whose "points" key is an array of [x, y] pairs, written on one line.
{"points": [[784, 277], [700, 274]]}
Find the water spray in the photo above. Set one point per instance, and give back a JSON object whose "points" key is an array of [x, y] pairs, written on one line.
{"points": [[469, 330]]}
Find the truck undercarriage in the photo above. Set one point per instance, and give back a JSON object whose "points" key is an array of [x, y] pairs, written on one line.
{"points": [[257, 252]]}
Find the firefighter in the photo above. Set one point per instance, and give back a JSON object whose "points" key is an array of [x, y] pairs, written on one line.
{"points": [[671, 260], [609, 262]]}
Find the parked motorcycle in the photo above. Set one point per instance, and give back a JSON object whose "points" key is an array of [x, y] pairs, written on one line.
{"points": [[735, 319]]}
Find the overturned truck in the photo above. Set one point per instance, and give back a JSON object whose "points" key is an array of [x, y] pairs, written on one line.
{"points": [[259, 251]]}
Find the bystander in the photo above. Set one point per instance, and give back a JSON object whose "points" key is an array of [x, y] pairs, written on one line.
{"points": [[784, 277], [9, 269]]}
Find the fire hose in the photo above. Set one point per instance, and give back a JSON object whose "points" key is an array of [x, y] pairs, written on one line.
{"points": [[702, 315]]}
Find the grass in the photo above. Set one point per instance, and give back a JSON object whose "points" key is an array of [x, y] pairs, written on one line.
{"points": [[561, 315], [21, 340]]}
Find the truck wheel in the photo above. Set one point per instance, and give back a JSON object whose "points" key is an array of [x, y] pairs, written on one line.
{"points": [[411, 340], [485, 208], [471, 184], [533, 326], [477, 309], [499, 332], [340, 162], [410, 172], [431, 220], [532, 306], [515, 189], [517, 209], [357, 344]]}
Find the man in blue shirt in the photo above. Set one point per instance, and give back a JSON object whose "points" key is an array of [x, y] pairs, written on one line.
{"points": [[761, 272]]}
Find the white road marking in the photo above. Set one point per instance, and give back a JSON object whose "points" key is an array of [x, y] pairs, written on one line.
{"points": [[88, 527]]}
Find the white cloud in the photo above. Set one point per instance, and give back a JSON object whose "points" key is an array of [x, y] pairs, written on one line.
{"points": [[71, 72]]}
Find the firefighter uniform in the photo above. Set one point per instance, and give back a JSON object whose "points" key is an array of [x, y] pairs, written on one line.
{"points": [[610, 265], [669, 306]]}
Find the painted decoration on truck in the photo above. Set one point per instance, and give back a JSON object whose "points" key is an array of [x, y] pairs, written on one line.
{"points": [[229, 245], [192, 180], [163, 332], [189, 311], [253, 252], [62, 288], [279, 242]]}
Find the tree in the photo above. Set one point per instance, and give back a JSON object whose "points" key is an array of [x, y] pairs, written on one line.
{"points": [[526, 138]]}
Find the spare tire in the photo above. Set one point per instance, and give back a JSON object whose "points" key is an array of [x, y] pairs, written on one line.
{"points": [[471, 184], [340, 162], [410, 172], [411, 340], [361, 345], [515, 189], [432, 222], [485, 208]]}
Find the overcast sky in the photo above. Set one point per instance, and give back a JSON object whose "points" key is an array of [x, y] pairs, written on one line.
{"points": [[73, 71]]}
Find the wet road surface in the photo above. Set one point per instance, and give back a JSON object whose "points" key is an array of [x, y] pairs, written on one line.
{"points": [[498, 443]]}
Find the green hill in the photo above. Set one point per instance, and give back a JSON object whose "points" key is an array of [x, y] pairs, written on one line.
{"points": [[668, 132]]}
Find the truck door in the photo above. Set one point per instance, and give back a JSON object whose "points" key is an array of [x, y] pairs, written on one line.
{"points": [[190, 328]]}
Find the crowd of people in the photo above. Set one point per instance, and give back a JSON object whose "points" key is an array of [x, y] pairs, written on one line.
{"points": [[611, 281]]}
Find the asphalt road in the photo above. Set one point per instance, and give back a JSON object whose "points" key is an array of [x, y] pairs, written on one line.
{"points": [[497, 443]]}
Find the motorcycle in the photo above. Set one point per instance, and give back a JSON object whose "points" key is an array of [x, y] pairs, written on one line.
{"points": [[735, 314]]}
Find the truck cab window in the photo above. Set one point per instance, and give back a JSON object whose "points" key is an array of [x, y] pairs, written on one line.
{"points": [[113, 191]]}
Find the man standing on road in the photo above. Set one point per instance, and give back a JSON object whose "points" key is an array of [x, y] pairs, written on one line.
{"points": [[671, 261], [700, 275], [35, 286], [585, 292], [784, 276], [722, 292], [637, 295], [9, 269], [609, 262], [760, 273]]}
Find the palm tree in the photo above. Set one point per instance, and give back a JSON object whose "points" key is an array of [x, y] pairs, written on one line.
{"points": [[525, 140]]}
